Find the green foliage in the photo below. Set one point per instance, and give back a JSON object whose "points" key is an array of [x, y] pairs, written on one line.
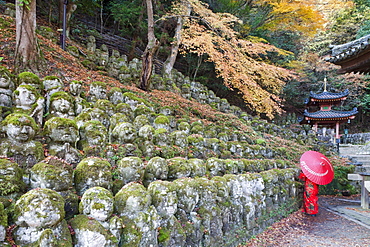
{"points": [[340, 182], [130, 15]]}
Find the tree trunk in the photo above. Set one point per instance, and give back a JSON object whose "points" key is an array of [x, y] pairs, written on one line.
{"points": [[152, 46], [26, 53], [171, 59]]}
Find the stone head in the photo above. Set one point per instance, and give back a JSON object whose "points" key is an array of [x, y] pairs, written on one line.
{"points": [[6, 79], [52, 83], [94, 133], [97, 203], [98, 90], [39, 208], [61, 102], [25, 96], [75, 88], [30, 79], [124, 133], [19, 127], [52, 173], [115, 95], [61, 130], [10, 177]]}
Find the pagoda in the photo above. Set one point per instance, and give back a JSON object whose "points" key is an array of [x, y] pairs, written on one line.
{"points": [[326, 116]]}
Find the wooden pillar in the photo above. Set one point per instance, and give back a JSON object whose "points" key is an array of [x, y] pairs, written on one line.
{"points": [[315, 126], [337, 130]]}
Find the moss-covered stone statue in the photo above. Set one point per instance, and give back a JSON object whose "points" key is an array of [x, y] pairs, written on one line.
{"points": [[28, 100], [98, 90], [10, 179], [123, 133], [20, 130], [6, 87], [93, 138], [62, 136], [75, 89], [54, 173], [62, 105], [91, 172], [96, 221], [52, 84], [39, 218], [133, 204]]}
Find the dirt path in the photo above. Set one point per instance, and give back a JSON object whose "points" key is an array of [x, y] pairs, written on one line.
{"points": [[329, 228]]}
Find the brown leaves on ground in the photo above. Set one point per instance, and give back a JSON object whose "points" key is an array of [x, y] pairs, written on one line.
{"points": [[280, 231]]}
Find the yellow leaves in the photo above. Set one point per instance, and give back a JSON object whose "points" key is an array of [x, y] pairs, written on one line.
{"points": [[294, 15]]}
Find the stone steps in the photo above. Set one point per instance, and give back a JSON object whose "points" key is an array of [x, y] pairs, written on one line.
{"points": [[353, 152]]}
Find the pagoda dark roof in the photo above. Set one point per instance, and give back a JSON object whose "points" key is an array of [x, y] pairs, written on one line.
{"points": [[328, 95], [330, 114], [352, 56]]}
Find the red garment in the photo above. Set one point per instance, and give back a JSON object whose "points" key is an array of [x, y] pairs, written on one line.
{"points": [[311, 191]]}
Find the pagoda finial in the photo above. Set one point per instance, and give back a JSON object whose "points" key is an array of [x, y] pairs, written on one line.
{"points": [[325, 84]]}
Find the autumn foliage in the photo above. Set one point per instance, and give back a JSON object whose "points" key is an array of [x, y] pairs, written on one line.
{"points": [[235, 59]]}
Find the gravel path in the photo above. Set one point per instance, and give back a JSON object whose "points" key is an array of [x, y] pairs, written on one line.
{"points": [[327, 229]]}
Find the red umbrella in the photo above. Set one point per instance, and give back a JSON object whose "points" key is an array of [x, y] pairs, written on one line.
{"points": [[317, 167]]}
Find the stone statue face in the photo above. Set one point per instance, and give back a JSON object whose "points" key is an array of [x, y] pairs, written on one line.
{"points": [[39, 208], [52, 84], [10, 177], [5, 82], [20, 133], [116, 97], [75, 89], [98, 92], [124, 132], [25, 99], [62, 133], [61, 105], [97, 202], [96, 135]]}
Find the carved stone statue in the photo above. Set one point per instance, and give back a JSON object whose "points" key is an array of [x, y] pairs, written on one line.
{"points": [[52, 84], [93, 137], [19, 144], [98, 90], [62, 105], [28, 100], [97, 207], [63, 135], [11, 179], [39, 217], [6, 87], [75, 89]]}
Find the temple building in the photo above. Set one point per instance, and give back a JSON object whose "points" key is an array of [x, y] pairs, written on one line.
{"points": [[320, 111], [353, 56]]}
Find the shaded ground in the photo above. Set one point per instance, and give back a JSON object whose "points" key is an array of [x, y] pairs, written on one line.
{"points": [[335, 225]]}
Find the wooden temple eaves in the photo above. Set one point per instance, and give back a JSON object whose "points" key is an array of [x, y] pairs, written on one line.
{"points": [[353, 56]]}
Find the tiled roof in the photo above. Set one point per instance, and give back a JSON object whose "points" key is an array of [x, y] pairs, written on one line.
{"points": [[353, 56], [330, 114], [328, 95]]}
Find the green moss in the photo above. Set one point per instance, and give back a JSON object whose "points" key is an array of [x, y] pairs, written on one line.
{"points": [[54, 122], [131, 233], [142, 110], [29, 88], [83, 222], [55, 199], [99, 84], [29, 78], [61, 95], [19, 119], [261, 142], [136, 98], [162, 120], [163, 235], [13, 183]]}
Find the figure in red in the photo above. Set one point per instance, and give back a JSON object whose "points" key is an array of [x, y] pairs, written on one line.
{"points": [[311, 190]]}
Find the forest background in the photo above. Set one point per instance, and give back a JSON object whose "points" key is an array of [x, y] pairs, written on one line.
{"points": [[264, 56]]}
